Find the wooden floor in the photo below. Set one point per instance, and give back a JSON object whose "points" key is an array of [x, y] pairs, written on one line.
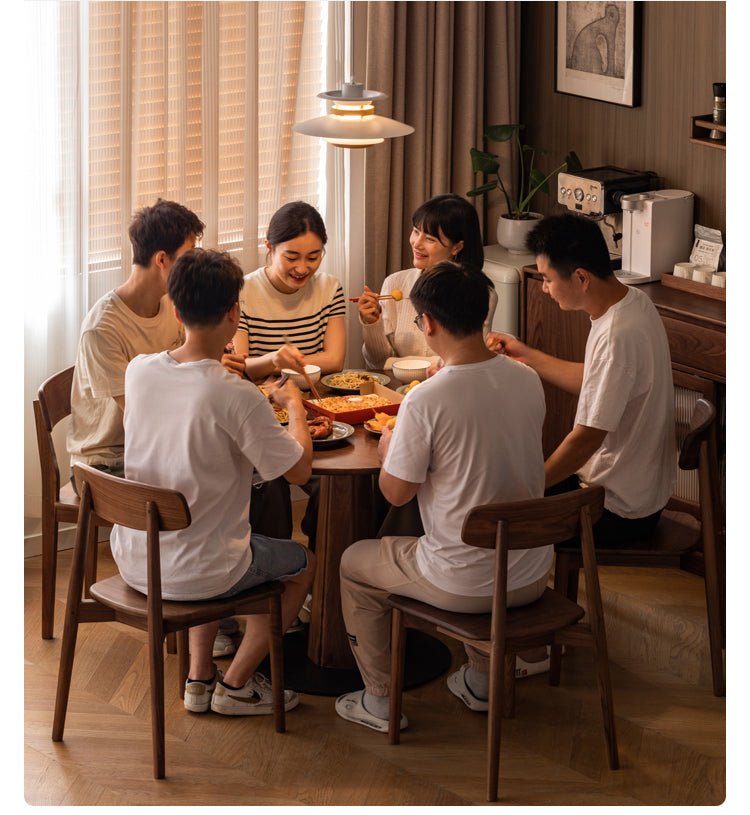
{"points": [[671, 729]]}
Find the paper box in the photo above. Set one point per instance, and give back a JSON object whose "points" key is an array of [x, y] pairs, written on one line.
{"points": [[357, 415]]}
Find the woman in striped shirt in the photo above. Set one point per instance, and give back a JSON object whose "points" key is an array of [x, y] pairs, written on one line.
{"points": [[291, 314]]}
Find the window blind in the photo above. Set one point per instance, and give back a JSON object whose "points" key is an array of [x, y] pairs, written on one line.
{"points": [[195, 102]]}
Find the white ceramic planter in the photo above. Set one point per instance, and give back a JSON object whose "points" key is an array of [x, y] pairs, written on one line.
{"points": [[512, 234]]}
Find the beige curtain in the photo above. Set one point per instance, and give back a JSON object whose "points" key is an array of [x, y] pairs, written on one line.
{"points": [[449, 69]]}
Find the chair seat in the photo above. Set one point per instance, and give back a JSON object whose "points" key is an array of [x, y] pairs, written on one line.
{"points": [[115, 593], [551, 612], [676, 535]]}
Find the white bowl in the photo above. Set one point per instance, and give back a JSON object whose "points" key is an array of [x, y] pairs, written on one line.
{"points": [[407, 370], [313, 371]]}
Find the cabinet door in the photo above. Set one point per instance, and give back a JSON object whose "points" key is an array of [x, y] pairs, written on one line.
{"points": [[560, 333]]}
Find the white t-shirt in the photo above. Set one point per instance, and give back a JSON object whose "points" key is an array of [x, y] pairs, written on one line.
{"points": [[627, 390], [268, 315], [394, 335], [196, 428], [470, 435], [111, 335]]}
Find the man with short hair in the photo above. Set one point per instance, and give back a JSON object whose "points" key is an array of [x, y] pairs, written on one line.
{"points": [[136, 318], [192, 426], [624, 435], [470, 434]]}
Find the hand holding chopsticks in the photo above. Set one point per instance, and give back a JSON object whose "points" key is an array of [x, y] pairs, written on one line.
{"points": [[310, 383]]}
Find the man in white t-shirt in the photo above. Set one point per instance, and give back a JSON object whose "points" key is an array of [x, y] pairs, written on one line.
{"points": [[624, 433], [471, 434], [136, 318], [192, 426]]}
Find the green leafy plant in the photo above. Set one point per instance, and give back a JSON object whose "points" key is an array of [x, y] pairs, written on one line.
{"points": [[533, 180]]}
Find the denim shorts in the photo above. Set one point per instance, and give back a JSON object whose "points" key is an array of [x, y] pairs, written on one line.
{"points": [[273, 559]]}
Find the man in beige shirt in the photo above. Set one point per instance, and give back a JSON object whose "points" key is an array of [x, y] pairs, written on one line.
{"points": [[136, 318]]}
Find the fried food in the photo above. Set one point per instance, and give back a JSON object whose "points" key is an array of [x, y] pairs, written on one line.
{"points": [[397, 294], [345, 404], [321, 427], [351, 380], [381, 421], [412, 384]]}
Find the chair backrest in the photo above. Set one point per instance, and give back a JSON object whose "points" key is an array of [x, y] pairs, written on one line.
{"points": [[534, 522], [701, 425], [127, 503], [51, 406]]}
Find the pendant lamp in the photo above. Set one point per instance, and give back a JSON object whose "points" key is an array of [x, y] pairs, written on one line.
{"points": [[352, 121]]}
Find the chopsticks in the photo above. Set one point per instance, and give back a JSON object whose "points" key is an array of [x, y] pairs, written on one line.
{"points": [[380, 297], [309, 381]]}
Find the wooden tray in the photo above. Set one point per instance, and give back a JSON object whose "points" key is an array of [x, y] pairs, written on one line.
{"points": [[702, 289]]}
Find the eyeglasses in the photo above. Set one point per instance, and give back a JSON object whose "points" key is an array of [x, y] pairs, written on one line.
{"points": [[418, 321]]}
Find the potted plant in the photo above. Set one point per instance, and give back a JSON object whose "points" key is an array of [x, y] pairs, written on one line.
{"points": [[513, 226]]}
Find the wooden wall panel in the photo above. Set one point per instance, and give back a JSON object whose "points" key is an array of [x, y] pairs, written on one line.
{"points": [[683, 54]]}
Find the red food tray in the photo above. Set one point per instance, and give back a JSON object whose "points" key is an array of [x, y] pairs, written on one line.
{"points": [[359, 415]]}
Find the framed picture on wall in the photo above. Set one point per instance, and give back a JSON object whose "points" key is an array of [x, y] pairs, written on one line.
{"points": [[598, 51]]}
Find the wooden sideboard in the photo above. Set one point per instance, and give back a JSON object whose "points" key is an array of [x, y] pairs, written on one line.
{"points": [[696, 330]]}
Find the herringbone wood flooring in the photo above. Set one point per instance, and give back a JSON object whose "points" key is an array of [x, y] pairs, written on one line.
{"points": [[671, 737]]}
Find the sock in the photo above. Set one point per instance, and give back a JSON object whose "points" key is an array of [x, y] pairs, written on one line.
{"points": [[377, 705], [478, 683], [205, 681]]}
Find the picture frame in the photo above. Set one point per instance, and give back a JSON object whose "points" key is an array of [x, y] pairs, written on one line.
{"points": [[598, 50]]}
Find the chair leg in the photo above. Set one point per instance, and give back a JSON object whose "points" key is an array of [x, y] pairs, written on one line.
{"points": [[277, 663], [509, 689], [156, 669], [171, 643], [92, 557], [49, 574], [183, 658], [499, 693], [398, 652], [605, 694], [65, 672]]}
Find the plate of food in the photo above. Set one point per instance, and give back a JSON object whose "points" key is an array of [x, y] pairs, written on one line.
{"points": [[326, 432], [351, 381], [381, 420], [404, 389]]}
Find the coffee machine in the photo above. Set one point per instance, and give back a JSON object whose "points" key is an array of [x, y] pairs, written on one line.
{"points": [[657, 232]]}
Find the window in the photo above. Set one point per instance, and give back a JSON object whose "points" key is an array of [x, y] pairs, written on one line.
{"points": [[195, 102]]}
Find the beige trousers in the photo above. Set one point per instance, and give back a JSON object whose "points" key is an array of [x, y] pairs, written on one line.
{"points": [[373, 569]]}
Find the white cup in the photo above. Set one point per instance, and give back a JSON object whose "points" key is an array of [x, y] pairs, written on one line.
{"points": [[719, 279], [684, 270], [703, 273]]}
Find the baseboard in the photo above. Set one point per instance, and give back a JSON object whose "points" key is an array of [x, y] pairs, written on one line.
{"points": [[66, 538]]}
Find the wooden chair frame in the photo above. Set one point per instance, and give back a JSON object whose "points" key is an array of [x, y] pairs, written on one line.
{"points": [[674, 538], [151, 509], [553, 619], [60, 504]]}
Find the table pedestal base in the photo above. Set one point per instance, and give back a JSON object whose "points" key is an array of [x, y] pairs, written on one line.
{"points": [[426, 659]]}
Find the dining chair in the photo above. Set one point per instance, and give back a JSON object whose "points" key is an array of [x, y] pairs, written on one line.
{"points": [[501, 634], [59, 502], [676, 536], [151, 509]]}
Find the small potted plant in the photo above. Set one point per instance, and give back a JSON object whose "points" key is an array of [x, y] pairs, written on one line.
{"points": [[513, 226]]}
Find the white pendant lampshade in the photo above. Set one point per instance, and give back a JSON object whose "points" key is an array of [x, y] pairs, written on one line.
{"points": [[352, 121]]}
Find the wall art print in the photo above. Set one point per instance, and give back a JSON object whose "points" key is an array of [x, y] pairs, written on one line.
{"points": [[598, 51]]}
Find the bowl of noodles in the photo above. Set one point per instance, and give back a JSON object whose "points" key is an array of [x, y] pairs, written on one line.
{"points": [[351, 381]]}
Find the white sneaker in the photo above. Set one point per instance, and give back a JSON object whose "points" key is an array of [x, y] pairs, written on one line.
{"points": [[458, 686], [198, 693], [524, 669], [350, 706], [254, 698], [223, 645]]}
